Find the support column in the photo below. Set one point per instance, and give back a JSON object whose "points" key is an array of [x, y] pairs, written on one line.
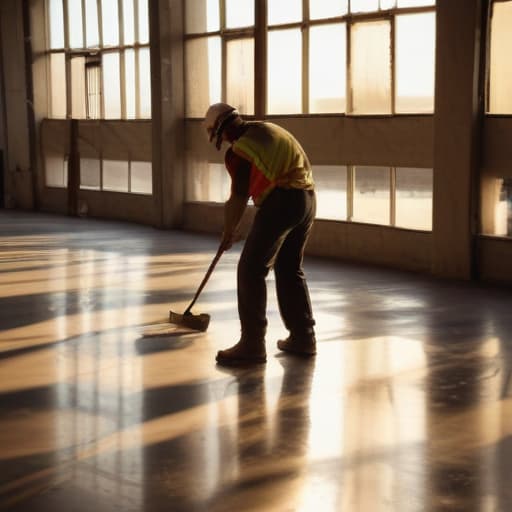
{"points": [[168, 126], [457, 127]]}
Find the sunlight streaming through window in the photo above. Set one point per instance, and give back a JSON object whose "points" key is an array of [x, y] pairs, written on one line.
{"points": [[284, 71], [327, 68], [415, 62]]}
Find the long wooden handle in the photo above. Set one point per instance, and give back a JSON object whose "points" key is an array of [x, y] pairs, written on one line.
{"points": [[220, 250]]}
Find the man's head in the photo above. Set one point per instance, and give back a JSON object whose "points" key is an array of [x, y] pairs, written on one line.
{"points": [[219, 117]]}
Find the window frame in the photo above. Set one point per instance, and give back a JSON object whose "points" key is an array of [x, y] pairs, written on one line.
{"points": [[260, 32], [97, 52]]}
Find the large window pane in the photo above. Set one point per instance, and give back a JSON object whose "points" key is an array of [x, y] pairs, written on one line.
{"points": [[143, 21], [285, 72], [371, 68], [111, 85], [110, 22], [141, 178], [58, 85], [90, 173], [56, 170], [76, 35], [91, 22], [240, 75], [319, 9], [56, 14], [239, 13], [415, 62], [207, 182], [93, 70], [129, 83], [331, 190], [201, 16], [327, 68], [202, 75], [500, 96], [387, 4], [128, 22], [78, 93], [115, 175], [413, 199], [372, 195], [145, 83], [364, 5], [284, 11], [415, 3]]}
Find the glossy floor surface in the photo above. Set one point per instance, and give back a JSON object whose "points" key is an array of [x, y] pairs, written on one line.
{"points": [[407, 406]]}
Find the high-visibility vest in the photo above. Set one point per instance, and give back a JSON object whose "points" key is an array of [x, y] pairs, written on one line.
{"points": [[277, 158]]}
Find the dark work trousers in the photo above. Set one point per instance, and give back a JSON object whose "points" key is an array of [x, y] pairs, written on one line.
{"points": [[277, 239]]}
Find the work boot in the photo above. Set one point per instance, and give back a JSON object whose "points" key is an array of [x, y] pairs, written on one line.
{"points": [[303, 344], [245, 352]]}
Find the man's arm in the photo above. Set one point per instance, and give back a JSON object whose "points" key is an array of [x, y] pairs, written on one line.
{"points": [[234, 208]]}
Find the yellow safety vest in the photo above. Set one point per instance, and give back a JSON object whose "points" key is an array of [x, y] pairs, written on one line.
{"points": [[278, 160]]}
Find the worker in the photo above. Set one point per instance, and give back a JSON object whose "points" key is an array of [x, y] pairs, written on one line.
{"points": [[267, 163]]}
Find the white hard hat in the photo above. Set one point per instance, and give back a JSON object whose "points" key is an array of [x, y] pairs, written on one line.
{"points": [[217, 117]]}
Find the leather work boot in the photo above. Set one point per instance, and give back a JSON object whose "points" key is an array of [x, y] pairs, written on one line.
{"points": [[243, 353], [299, 344]]}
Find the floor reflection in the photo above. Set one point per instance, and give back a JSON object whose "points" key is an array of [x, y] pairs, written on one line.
{"points": [[406, 408]]}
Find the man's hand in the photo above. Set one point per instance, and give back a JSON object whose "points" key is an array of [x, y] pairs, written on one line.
{"points": [[227, 240]]}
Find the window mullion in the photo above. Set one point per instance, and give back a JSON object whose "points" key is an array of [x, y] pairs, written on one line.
{"points": [[392, 54], [137, 59], [305, 56], [260, 59], [122, 70], [348, 92]]}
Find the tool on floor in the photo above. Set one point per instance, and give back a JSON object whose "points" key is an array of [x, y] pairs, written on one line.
{"points": [[187, 319]]}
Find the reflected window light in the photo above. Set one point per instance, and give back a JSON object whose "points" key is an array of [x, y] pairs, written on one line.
{"points": [[415, 62], [90, 173], [284, 71]]}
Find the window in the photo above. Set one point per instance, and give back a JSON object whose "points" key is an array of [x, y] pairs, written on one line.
{"points": [[500, 72], [363, 57], [399, 197], [107, 49], [331, 191]]}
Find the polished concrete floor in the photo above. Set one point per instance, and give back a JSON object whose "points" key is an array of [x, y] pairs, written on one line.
{"points": [[407, 406]]}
